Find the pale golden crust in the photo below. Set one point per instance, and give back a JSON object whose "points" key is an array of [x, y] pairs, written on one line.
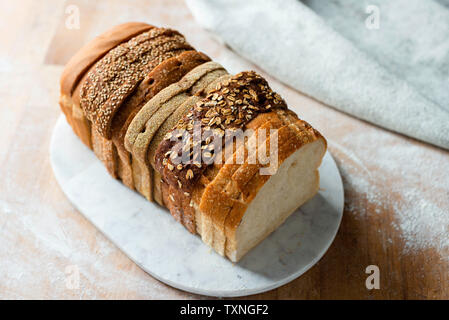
{"points": [[75, 117]]}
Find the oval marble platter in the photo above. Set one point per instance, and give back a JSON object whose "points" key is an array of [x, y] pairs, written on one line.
{"points": [[149, 235]]}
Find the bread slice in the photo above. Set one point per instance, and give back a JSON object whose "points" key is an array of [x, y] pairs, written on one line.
{"points": [[79, 65], [295, 182], [227, 182], [151, 117], [216, 201]]}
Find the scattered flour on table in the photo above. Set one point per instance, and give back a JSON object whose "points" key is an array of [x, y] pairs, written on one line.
{"points": [[410, 179]]}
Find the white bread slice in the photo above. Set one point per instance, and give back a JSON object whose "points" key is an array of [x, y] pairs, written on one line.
{"points": [[296, 181]]}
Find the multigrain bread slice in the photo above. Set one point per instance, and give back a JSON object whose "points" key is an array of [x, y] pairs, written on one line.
{"points": [[81, 63], [151, 117], [163, 75]]}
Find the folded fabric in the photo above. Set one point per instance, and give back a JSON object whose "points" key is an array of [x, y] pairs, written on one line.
{"points": [[395, 76]]}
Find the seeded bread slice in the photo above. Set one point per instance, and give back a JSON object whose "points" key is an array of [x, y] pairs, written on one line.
{"points": [[85, 58], [79, 65], [202, 87], [145, 124]]}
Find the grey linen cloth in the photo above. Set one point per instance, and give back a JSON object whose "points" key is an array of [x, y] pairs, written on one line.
{"points": [[395, 76]]}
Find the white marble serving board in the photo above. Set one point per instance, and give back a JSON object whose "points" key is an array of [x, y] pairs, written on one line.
{"points": [[162, 247]]}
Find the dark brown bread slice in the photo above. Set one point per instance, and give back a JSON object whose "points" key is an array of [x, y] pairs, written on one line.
{"points": [[109, 153], [166, 73], [149, 119], [98, 86], [201, 88], [110, 156]]}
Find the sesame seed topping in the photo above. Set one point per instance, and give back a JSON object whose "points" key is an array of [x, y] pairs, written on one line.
{"points": [[118, 73]]}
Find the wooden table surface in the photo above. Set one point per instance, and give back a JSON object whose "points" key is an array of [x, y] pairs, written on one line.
{"points": [[396, 188]]}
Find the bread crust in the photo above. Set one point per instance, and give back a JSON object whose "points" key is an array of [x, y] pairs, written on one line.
{"points": [[86, 57]]}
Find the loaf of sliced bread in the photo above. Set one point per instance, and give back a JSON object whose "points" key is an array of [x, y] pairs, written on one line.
{"points": [[223, 153]]}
